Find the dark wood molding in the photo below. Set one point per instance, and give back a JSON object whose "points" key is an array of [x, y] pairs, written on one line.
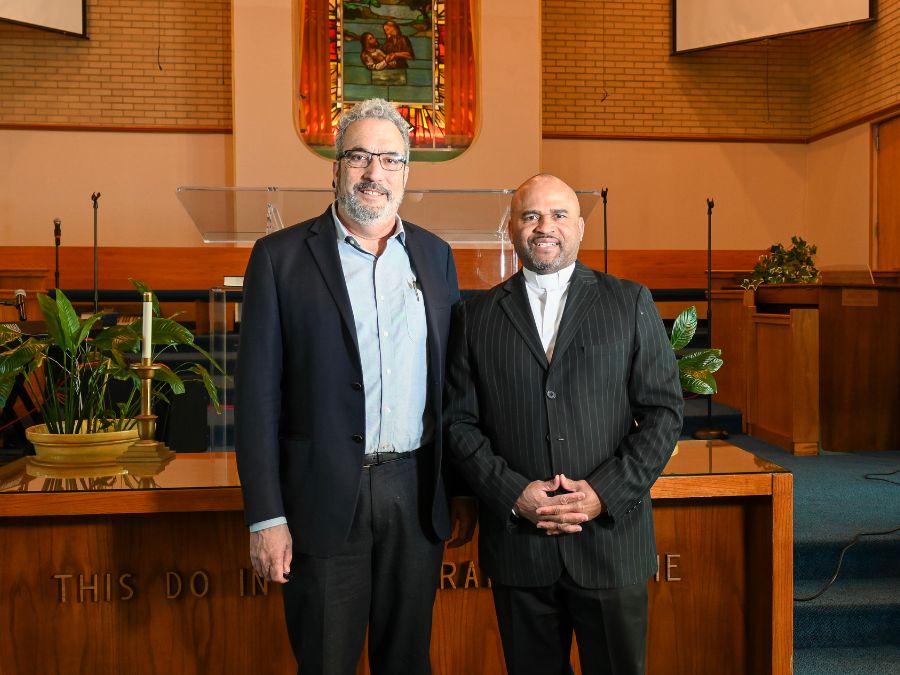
{"points": [[876, 116], [124, 128], [690, 138]]}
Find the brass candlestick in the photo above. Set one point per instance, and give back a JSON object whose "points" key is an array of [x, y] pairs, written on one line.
{"points": [[147, 449]]}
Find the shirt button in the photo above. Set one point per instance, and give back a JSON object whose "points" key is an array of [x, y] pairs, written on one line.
{"points": [[388, 371], [385, 333], [357, 438], [357, 386], [551, 393]]}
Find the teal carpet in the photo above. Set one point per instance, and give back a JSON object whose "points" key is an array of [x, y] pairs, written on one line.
{"points": [[854, 626]]}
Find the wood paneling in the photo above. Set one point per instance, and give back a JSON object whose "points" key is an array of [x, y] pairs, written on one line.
{"points": [[817, 358], [860, 369], [783, 380], [202, 267], [722, 602], [732, 312]]}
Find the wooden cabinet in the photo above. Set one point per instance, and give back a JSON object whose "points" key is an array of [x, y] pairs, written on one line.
{"points": [[129, 571], [820, 364]]}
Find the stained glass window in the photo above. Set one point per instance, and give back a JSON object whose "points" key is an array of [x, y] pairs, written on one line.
{"points": [[418, 54]]}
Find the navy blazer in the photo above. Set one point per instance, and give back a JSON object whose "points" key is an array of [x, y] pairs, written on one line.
{"points": [[299, 401]]}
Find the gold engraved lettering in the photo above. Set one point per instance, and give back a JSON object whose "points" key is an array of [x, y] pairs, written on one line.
{"points": [[656, 576], [107, 587], [448, 574], [61, 579], [199, 584], [82, 587], [471, 575], [173, 585], [671, 565], [260, 585], [127, 589]]}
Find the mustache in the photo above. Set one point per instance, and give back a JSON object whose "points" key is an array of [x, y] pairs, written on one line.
{"points": [[371, 185], [533, 239]]}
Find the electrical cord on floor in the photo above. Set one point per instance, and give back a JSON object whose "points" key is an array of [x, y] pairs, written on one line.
{"points": [[841, 561], [890, 473], [837, 571]]}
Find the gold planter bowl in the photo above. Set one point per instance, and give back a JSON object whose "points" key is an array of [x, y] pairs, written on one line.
{"points": [[83, 448]]}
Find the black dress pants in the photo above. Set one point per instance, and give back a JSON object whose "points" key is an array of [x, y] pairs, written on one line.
{"points": [[385, 577], [536, 627]]}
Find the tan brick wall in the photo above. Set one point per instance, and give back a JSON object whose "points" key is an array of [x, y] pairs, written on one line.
{"points": [[115, 77], [625, 48], [855, 71], [787, 87]]}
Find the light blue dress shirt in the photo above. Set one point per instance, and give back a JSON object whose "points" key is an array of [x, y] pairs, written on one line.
{"points": [[391, 331]]}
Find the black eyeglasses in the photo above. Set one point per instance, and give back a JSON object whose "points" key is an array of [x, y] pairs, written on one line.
{"points": [[360, 159]]}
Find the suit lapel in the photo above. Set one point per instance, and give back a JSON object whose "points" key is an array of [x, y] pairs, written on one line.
{"points": [[429, 281], [518, 310], [582, 295], [322, 244]]}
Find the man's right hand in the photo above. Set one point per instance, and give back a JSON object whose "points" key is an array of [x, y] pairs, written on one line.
{"points": [[536, 494], [271, 552]]}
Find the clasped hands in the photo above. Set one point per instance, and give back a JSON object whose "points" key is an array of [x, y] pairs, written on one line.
{"points": [[560, 513]]}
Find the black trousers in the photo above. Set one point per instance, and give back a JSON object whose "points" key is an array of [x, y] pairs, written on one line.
{"points": [[385, 577], [536, 627]]}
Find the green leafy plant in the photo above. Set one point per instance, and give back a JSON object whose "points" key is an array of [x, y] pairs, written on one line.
{"points": [[67, 373], [794, 265], [695, 367]]}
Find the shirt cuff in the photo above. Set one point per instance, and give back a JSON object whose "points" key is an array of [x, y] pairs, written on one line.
{"points": [[266, 524]]}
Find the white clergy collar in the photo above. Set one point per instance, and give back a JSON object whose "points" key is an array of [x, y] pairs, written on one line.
{"points": [[553, 281]]}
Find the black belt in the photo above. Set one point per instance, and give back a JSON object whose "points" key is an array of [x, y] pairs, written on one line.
{"points": [[378, 458]]}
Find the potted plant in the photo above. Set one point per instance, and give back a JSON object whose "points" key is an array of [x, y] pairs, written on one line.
{"points": [[793, 265], [695, 367], [67, 374]]}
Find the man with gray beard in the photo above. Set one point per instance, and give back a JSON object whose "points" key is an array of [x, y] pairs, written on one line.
{"points": [[338, 402]]}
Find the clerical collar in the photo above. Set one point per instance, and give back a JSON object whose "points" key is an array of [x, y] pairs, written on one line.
{"points": [[550, 282]]}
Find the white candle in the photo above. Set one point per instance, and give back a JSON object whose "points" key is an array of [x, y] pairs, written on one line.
{"points": [[147, 326]]}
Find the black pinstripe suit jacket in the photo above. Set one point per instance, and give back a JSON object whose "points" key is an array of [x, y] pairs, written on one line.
{"points": [[607, 409]]}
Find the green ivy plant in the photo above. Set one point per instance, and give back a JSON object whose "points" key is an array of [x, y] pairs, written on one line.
{"points": [[67, 372], [695, 367], [785, 266]]}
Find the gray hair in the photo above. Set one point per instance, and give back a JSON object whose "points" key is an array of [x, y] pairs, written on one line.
{"points": [[373, 108]]}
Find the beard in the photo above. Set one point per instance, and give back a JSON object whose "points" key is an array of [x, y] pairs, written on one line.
{"points": [[543, 265], [362, 213]]}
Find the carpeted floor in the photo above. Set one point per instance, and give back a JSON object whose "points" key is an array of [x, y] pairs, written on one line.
{"points": [[854, 626]]}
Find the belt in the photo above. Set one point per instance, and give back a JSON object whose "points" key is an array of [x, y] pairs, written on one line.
{"points": [[378, 458]]}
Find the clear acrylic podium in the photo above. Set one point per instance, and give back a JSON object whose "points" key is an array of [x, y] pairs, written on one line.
{"points": [[473, 222]]}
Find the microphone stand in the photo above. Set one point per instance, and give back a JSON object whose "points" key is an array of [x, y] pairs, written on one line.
{"points": [[95, 198], [603, 193], [57, 236], [709, 433]]}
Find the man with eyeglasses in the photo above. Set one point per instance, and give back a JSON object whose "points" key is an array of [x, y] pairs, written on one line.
{"points": [[338, 401]]}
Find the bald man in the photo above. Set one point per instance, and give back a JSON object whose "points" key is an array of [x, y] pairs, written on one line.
{"points": [[563, 406]]}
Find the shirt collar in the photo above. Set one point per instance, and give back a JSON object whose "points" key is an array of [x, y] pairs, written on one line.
{"points": [[343, 234], [549, 282]]}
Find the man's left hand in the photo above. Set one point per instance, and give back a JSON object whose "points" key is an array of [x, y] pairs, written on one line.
{"points": [[463, 517], [556, 519]]}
